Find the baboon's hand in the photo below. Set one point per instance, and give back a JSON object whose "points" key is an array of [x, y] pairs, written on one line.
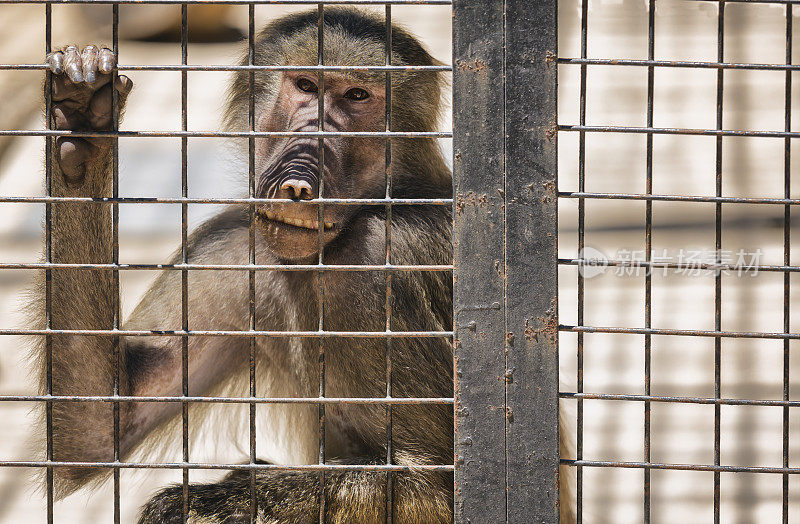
{"points": [[82, 101]]}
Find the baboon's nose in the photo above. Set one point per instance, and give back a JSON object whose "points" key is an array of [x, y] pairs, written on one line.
{"points": [[298, 189]]}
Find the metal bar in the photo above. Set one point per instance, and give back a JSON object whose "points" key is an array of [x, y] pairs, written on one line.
{"points": [[791, 2], [683, 467], [679, 198], [184, 260], [115, 251], [48, 256], [251, 179], [200, 67], [787, 219], [648, 278], [531, 230], [229, 333], [711, 266], [682, 400], [231, 467], [158, 200], [581, 246], [234, 2], [478, 279], [231, 400], [674, 63], [320, 250], [320, 255], [681, 332], [388, 241], [718, 276], [229, 267], [226, 134], [679, 131]]}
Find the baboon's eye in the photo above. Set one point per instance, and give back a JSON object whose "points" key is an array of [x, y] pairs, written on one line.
{"points": [[356, 93], [304, 84]]}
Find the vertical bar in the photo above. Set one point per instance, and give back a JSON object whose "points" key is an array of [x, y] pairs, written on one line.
{"points": [[251, 176], [321, 273], [478, 315], [48, 257], [648, 279], [506, 463], [581, 246], [184, 259], [115, 259], [718, 248], [531, 286], [388, 275], [787, 219]]}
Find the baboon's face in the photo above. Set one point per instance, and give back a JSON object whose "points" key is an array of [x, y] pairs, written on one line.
{"points": [[305, 168]]}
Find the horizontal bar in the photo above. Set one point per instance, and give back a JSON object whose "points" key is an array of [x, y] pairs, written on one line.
{"points": [[239, 467], [679, 131], [228, 333], [224, 267], [226, 134], [693, 266], [193, 67], [682, 400], [679, 198], [680, 467], [751, 1], [678, 332], [230, 400], [245, 200], [679, 63], [234, 2]]}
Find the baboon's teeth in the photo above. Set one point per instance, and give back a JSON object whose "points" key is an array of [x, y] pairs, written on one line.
{"points": [[297, 222]]}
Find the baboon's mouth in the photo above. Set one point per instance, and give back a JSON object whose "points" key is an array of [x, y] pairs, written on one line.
{"points": [[296, 222]]}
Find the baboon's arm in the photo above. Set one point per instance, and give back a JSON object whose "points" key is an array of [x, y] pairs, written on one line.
{"points": [[84, 299], [81, 299]]}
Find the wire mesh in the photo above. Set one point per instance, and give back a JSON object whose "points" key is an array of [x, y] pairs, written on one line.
{"points": [[185, 266], [648, 329]]}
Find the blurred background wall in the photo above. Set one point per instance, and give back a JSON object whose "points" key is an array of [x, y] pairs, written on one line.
{"points": [[614, 163], [682, 165]]}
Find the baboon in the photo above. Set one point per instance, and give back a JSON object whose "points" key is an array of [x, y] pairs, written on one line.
{"points": [[287, 232]]}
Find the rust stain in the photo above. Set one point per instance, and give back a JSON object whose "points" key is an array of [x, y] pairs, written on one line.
{"points": [[551, 131], [549, 57], [476, 65], [546, 325], [471, 199]]}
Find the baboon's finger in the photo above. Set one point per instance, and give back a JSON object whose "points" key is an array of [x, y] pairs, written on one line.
{"points": [[72, 64], [72, 156], [63, 117], [100, 110], [106, 61], [55, 61], [124, 85], [89, 63]]}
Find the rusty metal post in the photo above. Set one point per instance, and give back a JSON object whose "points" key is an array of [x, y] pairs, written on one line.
{"points": [[506, 327]]}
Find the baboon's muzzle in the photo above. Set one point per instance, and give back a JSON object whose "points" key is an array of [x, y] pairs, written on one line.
{"points": [[292, 228]]}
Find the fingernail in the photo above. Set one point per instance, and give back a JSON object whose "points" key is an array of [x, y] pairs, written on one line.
{"points": [[105, 65], [91, 77], [76, 76]]}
